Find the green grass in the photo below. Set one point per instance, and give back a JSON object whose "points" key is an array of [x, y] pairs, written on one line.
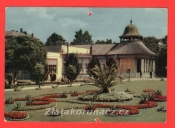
{"points": [[147, 115]]}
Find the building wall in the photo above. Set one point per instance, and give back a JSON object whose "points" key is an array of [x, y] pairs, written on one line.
{"points": [[55, 58], [73, 49]]}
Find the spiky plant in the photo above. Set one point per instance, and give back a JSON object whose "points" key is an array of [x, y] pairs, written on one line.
{"points": [[158, 92], [17, 106], [161, 109], [143, 99], [9, 100], [105, 77], [29, 98]]}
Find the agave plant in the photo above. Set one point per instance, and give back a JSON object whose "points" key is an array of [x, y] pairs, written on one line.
{"points": [[112, 107], [105, 77], [17, 105], [143, 99], [151, 97], [161, 109], [158, 92], [29, 98], [90, 106], [9, 100]]}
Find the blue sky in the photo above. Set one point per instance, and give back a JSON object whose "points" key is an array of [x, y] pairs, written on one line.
{"points": [[105, 23]]}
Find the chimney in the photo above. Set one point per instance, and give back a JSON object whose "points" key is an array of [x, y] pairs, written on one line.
{"points": [[32, 34], [21, 30]]}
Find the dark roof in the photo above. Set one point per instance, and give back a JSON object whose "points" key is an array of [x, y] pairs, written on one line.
{"points": [[101, 49], [56, 48], [16, 33], [135, 47], [131, 31]]}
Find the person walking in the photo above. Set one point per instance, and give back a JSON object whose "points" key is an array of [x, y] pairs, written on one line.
{"points": [[151, 74], [140, 74]]}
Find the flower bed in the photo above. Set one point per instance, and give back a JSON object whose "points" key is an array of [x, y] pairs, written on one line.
{"points": [[20, 99], [16, 115], [87, 91], [9, 102], [149, 90], [146, 104], [38, 103], [106, 97]]}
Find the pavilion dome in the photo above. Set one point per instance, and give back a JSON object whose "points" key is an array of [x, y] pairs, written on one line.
{"points": [[131, 31]]}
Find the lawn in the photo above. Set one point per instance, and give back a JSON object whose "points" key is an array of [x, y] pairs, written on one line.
{"points": [[146, 115]]}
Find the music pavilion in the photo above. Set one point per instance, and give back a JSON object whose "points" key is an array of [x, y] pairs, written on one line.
{"points": [[130, 53]]}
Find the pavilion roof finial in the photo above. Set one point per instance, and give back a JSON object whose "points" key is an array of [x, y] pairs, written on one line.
{"points": [[131, 21]]}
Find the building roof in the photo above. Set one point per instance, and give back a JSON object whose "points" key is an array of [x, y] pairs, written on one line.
{"points": [[101, 49], [55, 48], [131, 31], [97, 49], [131, 48], [13, 33]]}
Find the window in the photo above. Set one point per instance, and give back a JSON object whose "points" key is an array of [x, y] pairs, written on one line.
{"points": [[52, 68], [52, 65]]}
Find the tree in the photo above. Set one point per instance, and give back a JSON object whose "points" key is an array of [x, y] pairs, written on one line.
{"points": [[164, 40], [23, 53], [94, 61], [152, 43], [38, 73], [108, 41], [82, 38], [55, 39], [71, 68], [105, 76], [161, 61]]}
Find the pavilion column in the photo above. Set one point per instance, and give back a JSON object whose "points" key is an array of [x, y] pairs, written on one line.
{"points": [[83, 65], [142, 65], [154, 67], [146, 63]]}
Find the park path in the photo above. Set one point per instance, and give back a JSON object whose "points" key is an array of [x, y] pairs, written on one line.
{"points": [[78, 84]]}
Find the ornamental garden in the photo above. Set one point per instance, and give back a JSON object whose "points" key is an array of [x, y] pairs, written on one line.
{"points": [[127, 101]]}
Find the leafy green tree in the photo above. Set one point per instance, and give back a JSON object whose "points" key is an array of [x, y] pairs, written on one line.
{"points": [[152, 43], [94, 61], [71, 68], [164, 40], [38, 73], [23, 53], [55, 39], [105, 76], [161, 61], [108, 41], [82, 38]]}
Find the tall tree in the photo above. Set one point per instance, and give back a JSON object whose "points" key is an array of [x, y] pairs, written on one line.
{"points": [[94, 61], [108, 41], [71, 68], [82, 38], [55, 39], [152, 43], [23, 53], [38, 73], [161, 61]]}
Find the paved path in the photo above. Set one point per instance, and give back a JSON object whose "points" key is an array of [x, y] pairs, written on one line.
{"points": [[78, 84]]}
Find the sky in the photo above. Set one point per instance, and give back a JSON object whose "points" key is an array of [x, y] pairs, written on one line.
{"points": [[103, 24]]}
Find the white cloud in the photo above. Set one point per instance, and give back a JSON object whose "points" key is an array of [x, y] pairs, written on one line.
{"points": [[68, 23], [40, 12]]}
